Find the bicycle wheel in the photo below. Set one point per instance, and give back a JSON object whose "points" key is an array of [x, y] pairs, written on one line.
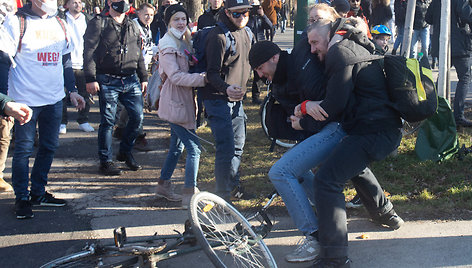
{"points": [[263, 112], [225, 235]]}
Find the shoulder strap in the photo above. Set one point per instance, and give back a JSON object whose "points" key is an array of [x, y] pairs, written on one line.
{"points": [[353, 61], [61, 22], [230, 41], [250, 34], [22, 30]]}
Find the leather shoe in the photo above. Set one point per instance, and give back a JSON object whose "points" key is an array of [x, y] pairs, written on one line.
{"points": [[129, 160], [464, 122]]}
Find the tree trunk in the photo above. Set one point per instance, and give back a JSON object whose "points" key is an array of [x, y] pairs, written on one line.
{"points": [[194, 8]]}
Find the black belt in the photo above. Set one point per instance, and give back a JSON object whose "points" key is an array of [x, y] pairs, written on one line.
{"points": [[118, 76]]}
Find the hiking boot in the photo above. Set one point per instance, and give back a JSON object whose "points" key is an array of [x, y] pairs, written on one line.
{"points": [[5, 186], [332, 263], [129, 160], [390, 219], [166, 191], [109, 169], [47, 200], [23, 209], [118, 133], [187, 194], [355, 202], [141, 144], [238, 193], [307, 250]]}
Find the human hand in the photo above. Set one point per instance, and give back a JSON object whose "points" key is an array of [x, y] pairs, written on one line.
{"points": [[19, 111], [92, 88], [296, 122], [144, 86], [314, 109], [298, 111], [77, 100], [235, 93]]}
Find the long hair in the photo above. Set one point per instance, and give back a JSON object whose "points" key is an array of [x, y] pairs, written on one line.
{"points": [[186, 38]]}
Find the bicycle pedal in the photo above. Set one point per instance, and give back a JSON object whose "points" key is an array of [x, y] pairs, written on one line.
{"points": [[119, 235]]}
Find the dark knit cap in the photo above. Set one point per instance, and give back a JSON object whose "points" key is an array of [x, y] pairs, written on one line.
{"points": [[341, 6], [171, 10], [261, 52]]}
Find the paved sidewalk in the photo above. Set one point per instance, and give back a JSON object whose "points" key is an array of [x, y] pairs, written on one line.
{"points": [[98, 204]]}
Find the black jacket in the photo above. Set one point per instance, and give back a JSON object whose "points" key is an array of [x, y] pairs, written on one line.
{"points": [[399, 7], [258, 24], [209, 18], [224, 69], [461, 23], [358, 91], [381, 15], [115, 49], [420, 13], [158, 26]]}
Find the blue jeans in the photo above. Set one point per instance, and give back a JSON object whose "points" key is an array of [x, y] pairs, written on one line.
{"points": [[228, 126], [48, 119], [399, 39], [423, 35], [180, 137], [349, 158], [463, 70], [128, 91], [295, 165]]}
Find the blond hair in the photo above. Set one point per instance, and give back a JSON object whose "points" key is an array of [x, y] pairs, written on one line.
{"points": [[333, 15]]}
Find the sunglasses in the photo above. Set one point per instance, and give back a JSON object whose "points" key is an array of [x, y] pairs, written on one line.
{"points": [[236, 15], [355, 1]]}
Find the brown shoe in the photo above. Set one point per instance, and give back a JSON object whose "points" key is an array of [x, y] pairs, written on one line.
{"points": [[187, 194], [166, 191], [5, 186], [141, 144]]}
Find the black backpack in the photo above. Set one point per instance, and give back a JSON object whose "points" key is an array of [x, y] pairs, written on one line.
{"points": [[410, 85]]}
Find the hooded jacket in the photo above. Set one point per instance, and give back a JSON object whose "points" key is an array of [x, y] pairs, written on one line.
{"points": [[224, 69], [357, 92], [420, 13], [461, 25]]}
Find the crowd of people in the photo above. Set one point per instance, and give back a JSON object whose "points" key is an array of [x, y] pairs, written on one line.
{"points": [[342, 107]]}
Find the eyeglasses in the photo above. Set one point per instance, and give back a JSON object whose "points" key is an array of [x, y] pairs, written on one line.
{"points": [[236, 15], [354, 1]]}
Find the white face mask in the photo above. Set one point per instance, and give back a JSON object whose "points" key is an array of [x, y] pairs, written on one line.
{"points": [[49, 7], [176, 32]]}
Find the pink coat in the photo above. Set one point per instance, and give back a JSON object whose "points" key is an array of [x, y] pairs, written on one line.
{"points": [[177, 100]]}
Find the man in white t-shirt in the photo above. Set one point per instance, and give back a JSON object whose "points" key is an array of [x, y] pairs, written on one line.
{"points": [[77, 24], [41, 69]]}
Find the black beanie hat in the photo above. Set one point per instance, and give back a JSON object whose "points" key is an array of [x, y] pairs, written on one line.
{"points": [[171, 10], [341, 6], [261, 52]]}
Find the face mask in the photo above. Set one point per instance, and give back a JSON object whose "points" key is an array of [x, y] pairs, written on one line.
{"points": [[50, 7], [120, 7], [176, 32]]}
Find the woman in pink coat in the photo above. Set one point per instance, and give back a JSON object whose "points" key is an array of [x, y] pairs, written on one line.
{"points": [[177, 104]]}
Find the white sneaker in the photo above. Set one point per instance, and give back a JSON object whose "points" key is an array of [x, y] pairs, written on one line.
{"points": [[307, 250], [86, 127], [62, 129]]}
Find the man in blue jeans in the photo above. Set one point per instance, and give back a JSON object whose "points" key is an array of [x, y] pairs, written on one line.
{"points": [[292, 175], [227, 74], [43, 68], [114, 67]]}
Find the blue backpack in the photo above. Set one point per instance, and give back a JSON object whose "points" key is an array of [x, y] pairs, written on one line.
{"points": [[200, 41]]}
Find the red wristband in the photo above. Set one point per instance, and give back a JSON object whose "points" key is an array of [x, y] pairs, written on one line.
{"points": [[303, 107]]}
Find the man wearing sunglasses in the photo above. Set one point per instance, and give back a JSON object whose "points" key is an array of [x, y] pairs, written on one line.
{"points": [[227, 73]]}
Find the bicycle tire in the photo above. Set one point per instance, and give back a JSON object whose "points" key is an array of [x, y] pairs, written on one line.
{"points": [[263, 112], [91, 259], [225, 236]]}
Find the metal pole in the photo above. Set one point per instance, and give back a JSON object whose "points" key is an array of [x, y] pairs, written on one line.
{"points": [[408, 30], [444, 48]]}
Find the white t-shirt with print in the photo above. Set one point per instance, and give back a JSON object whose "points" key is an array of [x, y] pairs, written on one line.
{"points": [[37, 79], [77, 29]]}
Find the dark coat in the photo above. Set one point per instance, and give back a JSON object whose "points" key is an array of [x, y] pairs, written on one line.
{"points": [[381, 15], [420, 13], [258, 24], [461, 23], [357, 92], [102, 49], [209, 18], [399, 7]]}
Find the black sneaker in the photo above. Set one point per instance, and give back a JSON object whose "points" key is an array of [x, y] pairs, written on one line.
{"points": [[390, 219], [238, 193], [23, 209], [332, 263], [109, 169], [356, 202], [47, 200], [118, 133], [129, 160]]}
